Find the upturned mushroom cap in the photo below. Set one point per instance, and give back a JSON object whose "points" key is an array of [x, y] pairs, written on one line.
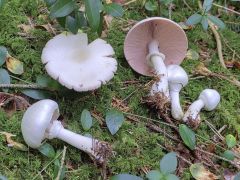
{"points": [[170, 36], [79, 65], [176, 74], [36, 121], [211, 98]]}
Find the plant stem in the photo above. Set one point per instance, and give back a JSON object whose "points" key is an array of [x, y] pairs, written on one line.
{"points": [[230, 10], [159, 7], [62, 162], [24, 86]]}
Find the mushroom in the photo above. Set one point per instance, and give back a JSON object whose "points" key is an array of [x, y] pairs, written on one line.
{"points": [[78, 65], [40, 122], [177, 79], [151, 45], [208, 99]]}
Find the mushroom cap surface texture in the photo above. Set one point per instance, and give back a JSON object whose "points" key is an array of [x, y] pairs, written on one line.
{"points": [[37, 119], [176, 74], [78, 65], [211, 99], [171, 37]]}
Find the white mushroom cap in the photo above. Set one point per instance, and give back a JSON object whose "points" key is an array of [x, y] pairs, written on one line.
{"points": [[211, 98], [77, 65], [36, 121]]}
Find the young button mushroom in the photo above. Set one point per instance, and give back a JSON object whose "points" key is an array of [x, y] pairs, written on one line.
{"points": [[208, 99], [79, 65], [40, 122], [177, 79], [151, 45]]}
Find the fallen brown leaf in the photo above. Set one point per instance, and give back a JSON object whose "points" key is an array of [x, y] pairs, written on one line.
{"points": [[119, 104], [199, 172], [12, 143], [232, 64], [14, 65]]}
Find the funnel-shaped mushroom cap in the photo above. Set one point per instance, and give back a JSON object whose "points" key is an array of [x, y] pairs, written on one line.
{"points": [[36, 121], [77, 65], [211, 98], [170, 36], [176, 74]]}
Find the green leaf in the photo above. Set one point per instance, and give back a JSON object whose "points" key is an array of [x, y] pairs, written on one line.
{"points": [[231, 141], [194, 19], [86, 120], [62, 8], [171, 177], [154, 175], [3, 54], [1, 176], [168, 163], [150, 6], [4, 78], [204, 23], [228, 155], [93, 13], [49, 3], [81, 19], [14, 65], [218, 22], [72, 24], [237, 176], [114, 9], [192, 54], [198, 171], [114, 120], [188, 136], [46, 81], [207, 5], [125, 177], [47, 150], [36, 94]]}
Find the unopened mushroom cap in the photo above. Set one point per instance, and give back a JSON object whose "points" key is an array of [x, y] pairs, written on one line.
{"points": [[172, 43], [211, 99], [176, 74], [37, 119], [79, 65]]}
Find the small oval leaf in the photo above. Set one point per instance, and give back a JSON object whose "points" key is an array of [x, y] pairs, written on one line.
{"points": [[188, 136], [204, 23], [62, 8], [47, 150], [93, 13], [4, 78], [154, 175], [228, 155], [198, 171], [14, 65], [114, 120], [218, 22], [86, 120], [114, 9], [207, 5], [168, 164], [194, 19], [150, 6], [36, 94], [231, 141], [3, 54]]}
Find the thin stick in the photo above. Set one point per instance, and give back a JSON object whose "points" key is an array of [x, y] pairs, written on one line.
{"points": [[189, 7], [25, 86], [43, 169], [218, 40], [62, 163], [230, 10]]}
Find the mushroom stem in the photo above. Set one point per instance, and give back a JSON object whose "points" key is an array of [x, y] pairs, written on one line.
{"points": [[156, 59], [176, 109], [193, 111], [97, 149]]}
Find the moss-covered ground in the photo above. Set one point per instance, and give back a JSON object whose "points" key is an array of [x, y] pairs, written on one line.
{"points": [[135, 146]]}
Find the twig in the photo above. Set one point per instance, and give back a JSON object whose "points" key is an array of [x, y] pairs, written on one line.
{"points": [[25, 86], [214, 130], [218, 40], [189, 7], [62, 162], [230, 10]]}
